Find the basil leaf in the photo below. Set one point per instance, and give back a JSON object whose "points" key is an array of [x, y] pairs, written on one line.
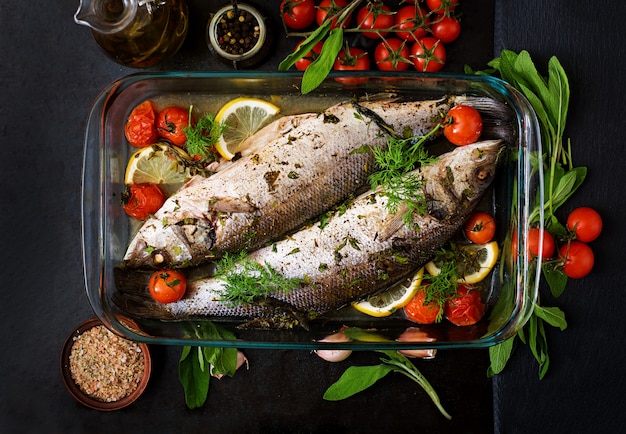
{"points": [[552, 315], [194, 379], [318, 70], [306, 46], [356, 379], [555, 279], [558, 85], [499, 355], [544, 358]]}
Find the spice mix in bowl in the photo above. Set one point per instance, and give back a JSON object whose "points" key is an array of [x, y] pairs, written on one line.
{"points": [[102, 370]]}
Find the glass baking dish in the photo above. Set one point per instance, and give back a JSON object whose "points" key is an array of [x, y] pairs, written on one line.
{"points": [[106, 230]]}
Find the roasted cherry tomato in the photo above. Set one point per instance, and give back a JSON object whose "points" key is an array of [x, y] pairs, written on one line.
{"points": [[140, 129], [534, 237], [480, 228], [413, 21], [446, 29], [303, 63], [375, 17], [463, 125], [298, 14], [170, 124], [442, 7], [331, 9], [419, 312], [167, 286], [579, 259], [141, 200], [392, 54], [466, 308], [354, 59], [586, 223], [428, 54]]}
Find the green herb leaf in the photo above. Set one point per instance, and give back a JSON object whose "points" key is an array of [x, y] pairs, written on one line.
{"points": [[556, 279], [551, 315], [193, 377], [355, 379], [306, 46], [317, 71], [499, 356]]}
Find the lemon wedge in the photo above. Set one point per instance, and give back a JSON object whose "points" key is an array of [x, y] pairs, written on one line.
{"points": [[394, 298], [243, 117], [158, 164], [481, 258]]}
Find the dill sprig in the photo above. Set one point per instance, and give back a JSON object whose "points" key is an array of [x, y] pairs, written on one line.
{"points": [[248, 281], [394, 163], [442, 287], [202, 137]]}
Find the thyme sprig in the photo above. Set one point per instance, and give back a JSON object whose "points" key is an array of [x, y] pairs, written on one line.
{"points": [[247, 281]]}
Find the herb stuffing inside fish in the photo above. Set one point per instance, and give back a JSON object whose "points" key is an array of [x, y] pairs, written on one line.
{"points": [[357, 252], [292, 171]]}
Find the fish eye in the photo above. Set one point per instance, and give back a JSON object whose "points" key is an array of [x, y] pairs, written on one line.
{"points": [[483, 174]]}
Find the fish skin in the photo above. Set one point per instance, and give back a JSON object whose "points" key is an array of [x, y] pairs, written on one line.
{"points": [[356, 269], [295, 169]]}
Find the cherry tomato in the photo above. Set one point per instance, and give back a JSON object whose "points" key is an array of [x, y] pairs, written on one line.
{"points": [[392, 54], [140, 129], [463, 125], [480, 228], [298, 14], [170, 123], [446, 29], [534, 237], [354, 59], [377, 17], [442, 7], [428, 54], [328, 9], [578, 258], [141, 200], [466, 308], [413, 20], [303, 63], [167, 286], [419, 312], [586, 223]]}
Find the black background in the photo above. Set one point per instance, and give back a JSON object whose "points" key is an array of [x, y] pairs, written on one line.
{"points": [[51, 71]]}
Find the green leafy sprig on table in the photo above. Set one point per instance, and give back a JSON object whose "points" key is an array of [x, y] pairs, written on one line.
{"points": [[549, 97]]}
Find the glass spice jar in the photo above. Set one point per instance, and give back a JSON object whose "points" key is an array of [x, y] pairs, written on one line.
{"points": [[238, 35]]}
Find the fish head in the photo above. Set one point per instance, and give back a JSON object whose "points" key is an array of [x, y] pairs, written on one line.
{"points": [[160, 244], [461, 177]]}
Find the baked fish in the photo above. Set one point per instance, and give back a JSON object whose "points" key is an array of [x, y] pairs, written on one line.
{"points": [[356, 253], [294, 169]]}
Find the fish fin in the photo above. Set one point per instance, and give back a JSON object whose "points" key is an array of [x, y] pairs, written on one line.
{"points": [[393, 223], [230, 205]]}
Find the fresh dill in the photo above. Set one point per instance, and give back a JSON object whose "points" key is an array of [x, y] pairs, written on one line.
{"points": [[394, 175], [442, 287], [202, 137], [248, 281]]}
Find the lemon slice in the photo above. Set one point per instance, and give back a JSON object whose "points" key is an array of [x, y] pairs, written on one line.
{"points": [[480, 260], [243, 117], [158, 164], [394, 298]]}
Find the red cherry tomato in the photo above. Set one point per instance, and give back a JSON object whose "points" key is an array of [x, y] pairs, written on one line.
{"points": [[167, 286], [480, 228], [141, 200], [392, 54], [140, 129], [466, 308], [354, 59], [375, 17], [331, 9], [298, 14], [428, 54], [463, 125], [413, 21], [170, 124], [534, 237], [303, 63], [579, 259], [446, 29], [586, 223], [419, 312], [442, 7]]}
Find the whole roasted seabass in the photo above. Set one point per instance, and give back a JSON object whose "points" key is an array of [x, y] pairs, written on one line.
{"points": [[292, 170], [356, 253]]}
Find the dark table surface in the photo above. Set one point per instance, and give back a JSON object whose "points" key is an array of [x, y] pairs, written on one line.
{"points": [[51, 71]]}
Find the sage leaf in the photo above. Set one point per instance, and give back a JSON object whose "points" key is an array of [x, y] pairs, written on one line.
{"points": [[499, 356], [318, 70], [355, 379]]}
